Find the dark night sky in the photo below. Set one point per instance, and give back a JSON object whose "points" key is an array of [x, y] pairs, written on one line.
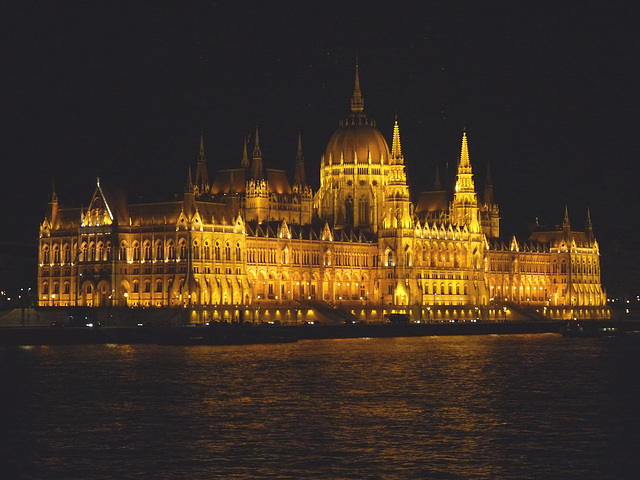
{"points": [[548, 94]]}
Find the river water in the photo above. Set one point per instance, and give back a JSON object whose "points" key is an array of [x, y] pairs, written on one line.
{"points": [[462, 407]]}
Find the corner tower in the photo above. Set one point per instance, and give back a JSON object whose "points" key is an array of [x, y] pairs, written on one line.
{"points": [[464, 208]]}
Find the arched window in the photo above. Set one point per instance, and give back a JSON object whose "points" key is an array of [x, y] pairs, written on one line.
{"points": [[147, 251], [159, 251], [238, 253], [363, 211], [56, 254], [66, 253], [172, 251], [136, 252], [183, 250], [227, 252], [207, 251], [196, 250], [348, 211], [216, 252], [123, 252]]}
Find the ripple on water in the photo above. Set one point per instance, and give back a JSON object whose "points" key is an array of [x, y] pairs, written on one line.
{"points": [[523, 406]]}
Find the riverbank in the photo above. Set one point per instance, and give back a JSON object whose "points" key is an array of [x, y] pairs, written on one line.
{"points": [[250, 334]]}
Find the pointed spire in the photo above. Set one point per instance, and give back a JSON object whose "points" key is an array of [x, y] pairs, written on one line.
{"points": [[202, 176], [565, 221], [188, 188], [488, 188], [53, 204], [357, 102], [464, 154], [54, 195], [437, 185], [299, 177], [396, 150], [566, 225], [245, 157], [465, 203], [257, 153], [257, 172], [589, 226]]}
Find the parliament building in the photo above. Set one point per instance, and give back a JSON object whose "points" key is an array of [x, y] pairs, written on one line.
{"points": [[252, 245]]}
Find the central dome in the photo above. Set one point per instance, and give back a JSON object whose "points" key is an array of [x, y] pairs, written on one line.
{"points": [[357, 140]]}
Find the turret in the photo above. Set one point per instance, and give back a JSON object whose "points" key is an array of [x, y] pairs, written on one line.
{"points": [[53, 205], [489, 210], [257, 172], [299, 177], [566, 225], [244, 163], [488, 188], [464, 208], [202, 177], [396, 150], [589, 228]]}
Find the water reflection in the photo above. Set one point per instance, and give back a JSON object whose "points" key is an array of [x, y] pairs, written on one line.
{"points": [[536, 406]]}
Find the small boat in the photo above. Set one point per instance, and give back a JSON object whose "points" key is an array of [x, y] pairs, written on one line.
{"points": [[588, 330]]}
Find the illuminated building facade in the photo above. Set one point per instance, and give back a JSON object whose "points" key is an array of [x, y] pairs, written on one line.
{"points": [[252, 245]]}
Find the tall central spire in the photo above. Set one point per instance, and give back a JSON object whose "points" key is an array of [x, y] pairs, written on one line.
{"points": [[357, 102]]}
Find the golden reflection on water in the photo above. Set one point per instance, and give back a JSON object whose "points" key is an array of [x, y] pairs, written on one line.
{"points": [[432, 407]]}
